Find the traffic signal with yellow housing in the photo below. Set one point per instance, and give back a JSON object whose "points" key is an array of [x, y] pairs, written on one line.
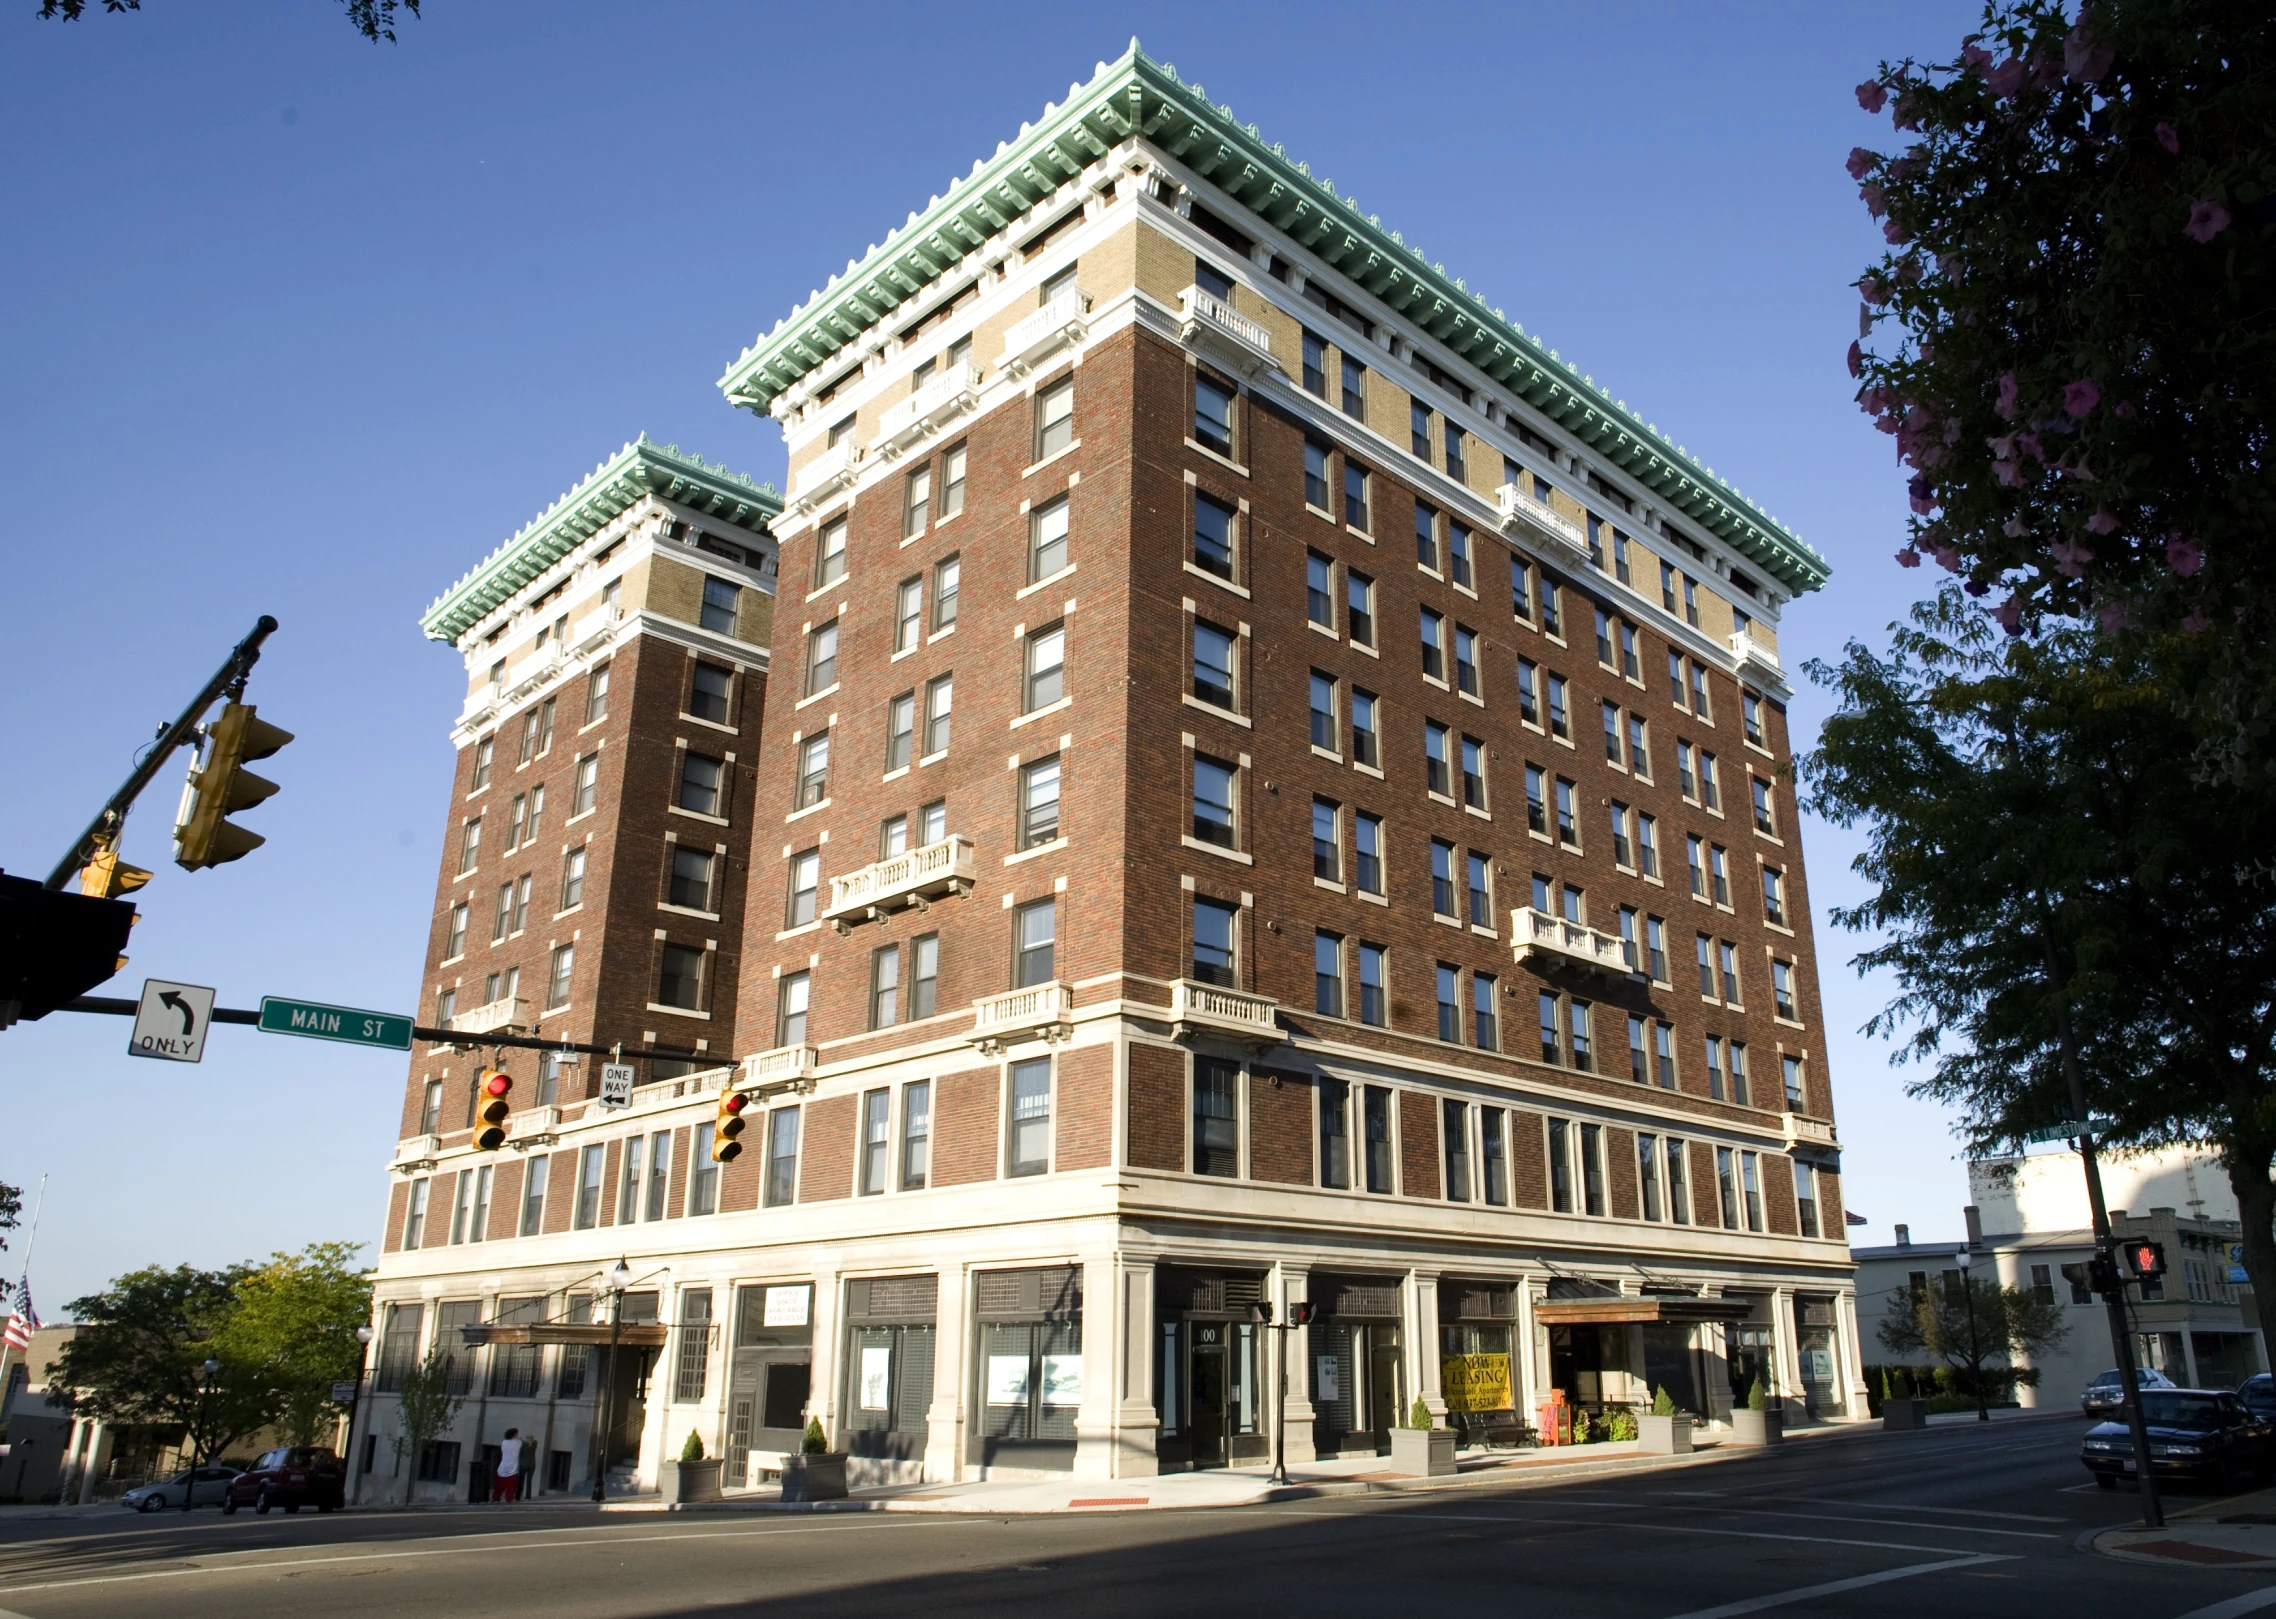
{"points": [[729, 1124], [222, 786], [106, 876], [55, 946], [492, 1110]]}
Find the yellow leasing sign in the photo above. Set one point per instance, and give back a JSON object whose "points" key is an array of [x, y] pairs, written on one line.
{"points": [[1475, 1382]]}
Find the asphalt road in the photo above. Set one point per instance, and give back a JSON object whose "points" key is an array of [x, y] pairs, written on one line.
{"points": [[1957, 1522]]}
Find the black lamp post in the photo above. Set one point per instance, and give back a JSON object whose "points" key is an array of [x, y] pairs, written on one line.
{"points": [[1975, 1351], [355, 1409], [618, 1280], [211, 1368]]}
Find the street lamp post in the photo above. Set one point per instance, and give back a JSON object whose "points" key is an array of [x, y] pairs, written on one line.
{"points": [[1975, 1351], [1299, 1315], [197, 1437], [355, 1409], [618, 1280]]}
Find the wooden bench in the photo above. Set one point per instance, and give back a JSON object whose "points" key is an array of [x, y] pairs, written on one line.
{"points": [[1494, 1429]]}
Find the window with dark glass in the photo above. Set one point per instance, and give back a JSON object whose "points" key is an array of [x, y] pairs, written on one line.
{"points": [[1354, 389], [1035, 934], [1039, 802], [1319, 592], [1355, 496], [1327, 974], [1455, 1120], [1365, 748], [924, 975], [1466, 660], [1327, 840], [916, 1134], [1373, 1002], [1212, 414], [1473, 773], [813, 770], [782, 1157], [1367, 839], [1436, 766], [701, 778], [1316, 474], [1449, 980], [1315, 365], [1213, 664], [691, 877], [708, 692], [721, 600], [1426, 536], [1335, 1133], [1485, 1013], [1433, 628], [1375, 1106], [1216, 1117], [1213, 536], [1560, 1167], [1323, 711], [1213, 941], [1047, 540], [1213, 819]]}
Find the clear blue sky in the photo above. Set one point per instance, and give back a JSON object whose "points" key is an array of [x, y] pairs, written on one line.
{"points": [[303, 325]]}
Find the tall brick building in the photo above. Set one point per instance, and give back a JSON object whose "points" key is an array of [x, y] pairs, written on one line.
{"points": [[1282, 794]]}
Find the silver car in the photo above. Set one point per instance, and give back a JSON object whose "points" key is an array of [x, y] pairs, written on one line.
{"points": [[2106, 1394], [212, 1484]]}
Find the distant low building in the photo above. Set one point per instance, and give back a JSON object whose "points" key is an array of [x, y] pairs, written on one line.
{"points": [[2029, 1220]]}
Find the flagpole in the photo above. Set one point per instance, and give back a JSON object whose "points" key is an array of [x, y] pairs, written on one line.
{"points": [[31, 1239]]}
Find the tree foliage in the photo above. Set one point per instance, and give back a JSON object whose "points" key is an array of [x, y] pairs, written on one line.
{"points": [[2040, 855], [2072, 336], [1969, 1322], [295, 1316], [374, 19], [427, 1405]]}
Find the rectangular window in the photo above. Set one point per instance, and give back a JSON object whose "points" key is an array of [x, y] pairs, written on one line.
{"points": [[1750, 1179], [952, 482], [597, 694], [1375, 1106], [1213, 958], [1663, 1052], [1473, 773], [534, 1176], [1639, 747], [1750, 716], [1319, 592], [932, 822], [1213, 802], [1806, 1216], [1592, 1169], [1686, 777], [822, 658], [1359, 596], [484, 750], [1442, 877], [1623, 854], [908, 613], [628, 1182], [1782, 989], [1714, 1044], [1578, 1035], [1675, 678], [1764, 819], [805, 883], [1455, 467], [946, 575], [1739, 1074], [1365, 744], [1552, 614], [1603, 634], [1727, 958], [502, 916], [1327, 974], [1552, 1035], [1455, 1120], [1704, 948], [1433, 628], [1466, 660], [885, 987], [1323, 712], [1449, 1004], [722, 599], [454, 941], [900, 730], [1627, 925], [1426, 536], [1436, 766], [1647, 846], [1054, 419], [1373, 1003], [1031, 1117], [1355, 496], [1568, 814], [1315, 365], [1212, 414], [876, 1140], [782, 1157], [924, 975], [703, 1174], [813, 770], [1493, 1140], [916, 1134], [1648, 1174], [557, 981], [1354, 389], [1327, 840], [1316, 475], [1791, 1070], [701, 781], [1678, 1183], [1596, 544], [708, 693], [1560, 1167], [1639, 1058], [1699, 692], [469, 845], [1480, 870], [1046, 667], [1529, 691], [1485, 1013], [1039, 802], [917, 503], [679, 979], [591, 1162], [1612, 734], [1216, 1117], [1035, 935], [1335, 1133], [1047, 540], [830, 553], [1691, 600], [1520, 588], [1367, 840], [793, 992], [1773, 895], [514, 819], [940, 699], [1560, 714], [587, 782], [1418, 429], [1213, 548]]}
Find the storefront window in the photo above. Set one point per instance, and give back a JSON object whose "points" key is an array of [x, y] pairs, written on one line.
{"points": [[1476, 1368], [771, 1381], [888, 1363], [1028, 1364]]}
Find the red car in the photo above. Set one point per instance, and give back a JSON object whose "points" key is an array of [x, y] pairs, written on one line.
{"points": [[293, 1477]]}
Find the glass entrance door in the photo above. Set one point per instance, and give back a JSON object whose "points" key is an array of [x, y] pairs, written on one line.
{"points": [[1206, 1377], [1386, 1380]]}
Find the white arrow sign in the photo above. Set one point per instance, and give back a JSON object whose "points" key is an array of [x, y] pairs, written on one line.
{"points": [[170, 1021], [616, 1084]]}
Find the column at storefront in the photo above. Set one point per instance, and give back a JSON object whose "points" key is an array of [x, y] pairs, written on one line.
{"points": [[1292, 1285], [944, 1418], [1852, 1350], [1095, 1411], [1715, 1360], [1788, 1379], [1422, 1354], [1817, 1336], [1137, 1423], [887, 1382], [829, 1307], [1532, 1351]]}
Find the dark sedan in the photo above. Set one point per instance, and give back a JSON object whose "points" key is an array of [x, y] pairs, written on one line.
{"points": [[2106, 1394], [2193, 1433], [2259, 1393]]}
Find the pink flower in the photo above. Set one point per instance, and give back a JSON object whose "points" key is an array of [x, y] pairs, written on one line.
{"points": [[2008, 474], [1904, 168], [1861, 161], [2115, 616], [2124, 410], [1872, 97], [2207, 219], [2169, 139], [1908, 267], [1874, 290], [2071, 561], [1946, 558], [1857, 359], [2005, 404], [2028, 444], [2003, 448], [2084, 58], [2015, 528], [2006, 80], [2182, 555], [1975, 56], [1895, 237], [2104, 521], [1876, 200], [1948, 265], [1908, 558], [2009, 615], [2080, 398], [2196, 623], [1977, 587], [1902, 115]]}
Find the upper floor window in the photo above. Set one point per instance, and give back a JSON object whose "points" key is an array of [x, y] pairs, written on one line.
{"points": [[1319, 583], [1213, 959], [1355, 496], [1039, 802], [1426, 537], [1750, 717], [1433, 645], [946, 574], [813, 770], [708, 692], [793, 994], [1054, 419], [1216, 1117], [483, 752], [1436, 744], [1214, 817], [1365, 745], [1359, 597], [1316, 474], [585, 783], [830, 553], [1765, 817], [691, 875], [822, 657], [1212, 414], [1046, 667], [1031, 1118], [1455, 467], [908, 613], [952, 482], [1354, 389], [722, 600], [1035, 937], [1419, 429], [1047, 540], [597, 693], [1213, 664], [917, 503], [702, 779], [1458, 553], [1213, 544], [470, 844], [1315, 364], [1367, 840]]}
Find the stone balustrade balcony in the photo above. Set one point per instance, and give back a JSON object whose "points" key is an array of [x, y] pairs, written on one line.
{"points": [[1038, 1012], [1217, 329], [912, 879], [940, 400], [1034, 338], [1546, 524], [1228, 1014], [1543, 937]]}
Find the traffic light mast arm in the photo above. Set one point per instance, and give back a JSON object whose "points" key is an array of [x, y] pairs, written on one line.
{"points": [[230, 677]]}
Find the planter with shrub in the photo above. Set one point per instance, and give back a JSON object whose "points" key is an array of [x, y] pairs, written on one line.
{"points": [[1422, 1449], [1757, 1423], [1664, 1430], [816, 1473], [694, 1477]]}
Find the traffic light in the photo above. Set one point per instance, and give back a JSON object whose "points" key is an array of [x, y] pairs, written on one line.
{"points": [[55, 946], [106, 876], [491, 1109], [222, 786], [729, 1124], [1302, 1312], [2145, 1259]]}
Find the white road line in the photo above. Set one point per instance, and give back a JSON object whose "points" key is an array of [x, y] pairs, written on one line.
{"points": [[1631, 1526], [1738, 1505], [1831, 1587], [1915, 1506], [2250, 1602], [251, 1563]]}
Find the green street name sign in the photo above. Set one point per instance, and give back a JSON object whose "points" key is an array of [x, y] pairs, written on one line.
{"points": [[346, 1023]]}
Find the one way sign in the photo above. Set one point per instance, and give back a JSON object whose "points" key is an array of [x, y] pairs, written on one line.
{"points": [[170, 1021]]}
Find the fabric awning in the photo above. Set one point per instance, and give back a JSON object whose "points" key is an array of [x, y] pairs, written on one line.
{"points": [[632, 1334], [1672, 1311]]}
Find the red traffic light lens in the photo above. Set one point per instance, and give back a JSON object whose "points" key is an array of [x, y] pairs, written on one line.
{"points": [[497, 1084], [734, 1102]]}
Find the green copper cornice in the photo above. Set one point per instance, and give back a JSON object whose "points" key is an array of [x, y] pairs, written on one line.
{"points": [[642, 467], [1137, 97]]}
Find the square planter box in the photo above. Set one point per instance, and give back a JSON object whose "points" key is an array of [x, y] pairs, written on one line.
{"points": [[1757, 1427], [684, 1482], [1663, 1436], [1422, 1452], [1900, 1415], [815, 1478]]}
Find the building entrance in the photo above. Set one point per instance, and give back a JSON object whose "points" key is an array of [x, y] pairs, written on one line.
{"points": [[1359, 1383], [1209, 1386], [771, 1380]]}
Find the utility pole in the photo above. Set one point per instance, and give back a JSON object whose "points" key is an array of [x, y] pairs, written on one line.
{"points": [[1965, 1259]]}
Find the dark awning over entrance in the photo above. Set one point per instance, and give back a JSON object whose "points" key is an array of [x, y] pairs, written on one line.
{"points": [[1672, 1311], [630, 1334]]}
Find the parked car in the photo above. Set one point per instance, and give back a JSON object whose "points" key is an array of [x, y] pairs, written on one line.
{"points": [[212, 1484], [292, 1477], [2106, 1394], [2193, 1433], [2259, 1393]]}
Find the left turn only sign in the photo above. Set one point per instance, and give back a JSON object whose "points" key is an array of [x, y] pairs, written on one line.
{"points": [[170, 1021]]}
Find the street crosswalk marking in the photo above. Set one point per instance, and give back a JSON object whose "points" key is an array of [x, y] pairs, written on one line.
{"points": [[1854, 1583], [2250, 1602]]}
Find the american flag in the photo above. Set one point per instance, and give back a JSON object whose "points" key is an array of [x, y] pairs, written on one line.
{"points": [[23, 1321]]}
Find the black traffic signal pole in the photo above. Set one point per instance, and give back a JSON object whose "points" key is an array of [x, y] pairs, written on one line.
{"points": [[230, 677], [119, 1005]]}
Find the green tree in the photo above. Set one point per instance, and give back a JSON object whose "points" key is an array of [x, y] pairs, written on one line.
{"points": [[374, 19], [2055, 894], [427, 1406], [2070, 337], [295, 1317], [140, 1350], [2009, 1324]]}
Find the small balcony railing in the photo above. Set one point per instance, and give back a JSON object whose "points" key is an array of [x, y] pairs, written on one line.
{"points": [[481, 707], [534, 1127], [596, 627], [1198, 1008], [415, 1153], [834, 469], [1543, 937], [1806, 1132], [781, 1063], [1038, 1012], [1758, 657], [533, 670], [1219, 330], [1545, 523], [940, 401], [912, 878], [507, 1012], [1064, 320]]}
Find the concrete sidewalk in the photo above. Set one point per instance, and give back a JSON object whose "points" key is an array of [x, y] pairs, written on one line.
{"points": [[2239, 1532]]}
